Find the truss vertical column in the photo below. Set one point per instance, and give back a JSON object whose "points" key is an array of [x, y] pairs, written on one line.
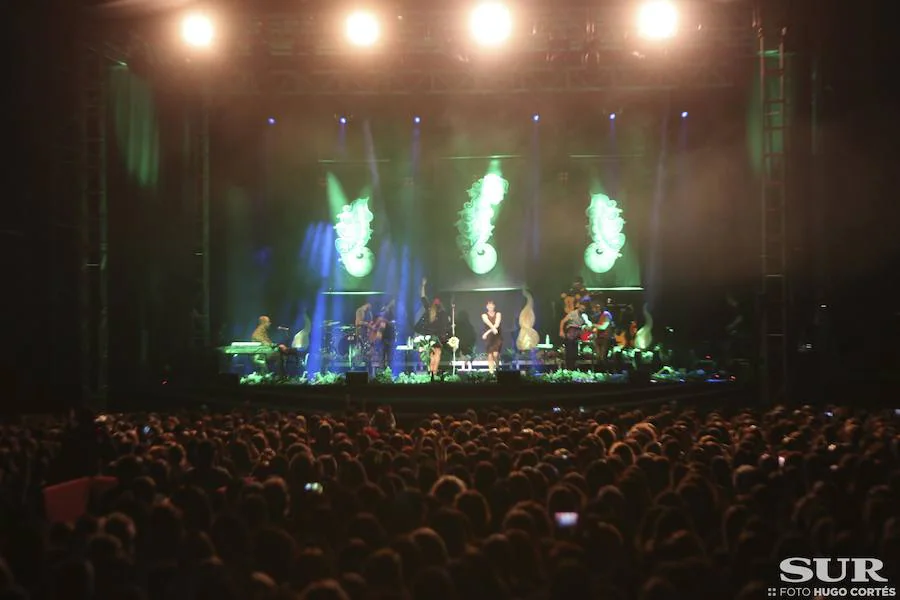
{"points": [[93, 226], [773, 205], [200, 312]]}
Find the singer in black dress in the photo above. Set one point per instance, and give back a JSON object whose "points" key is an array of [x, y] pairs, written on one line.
{"points": [[436, 323], [492, 336]]}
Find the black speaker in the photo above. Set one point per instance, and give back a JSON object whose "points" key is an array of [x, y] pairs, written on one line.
{"points": [[509, 377], [228, 380], [357, 378]]}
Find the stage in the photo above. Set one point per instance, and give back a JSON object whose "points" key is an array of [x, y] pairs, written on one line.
{"points": [[347, 211], [341, 396]]}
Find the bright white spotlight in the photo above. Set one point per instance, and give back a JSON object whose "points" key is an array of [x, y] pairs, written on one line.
{"points": [[684, 115], [362, 29], [658, 20], [490, 24], [197, 30]]}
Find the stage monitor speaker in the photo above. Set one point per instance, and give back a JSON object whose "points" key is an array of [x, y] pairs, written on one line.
{"points": [[228, 380], [509, 377], [356, 378]]}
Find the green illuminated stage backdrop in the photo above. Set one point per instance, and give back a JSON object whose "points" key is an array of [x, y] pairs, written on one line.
{"points": [[300, 208], [476, 221]]}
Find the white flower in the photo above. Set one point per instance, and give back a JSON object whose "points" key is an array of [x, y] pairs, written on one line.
{"points": [[453, 343]]}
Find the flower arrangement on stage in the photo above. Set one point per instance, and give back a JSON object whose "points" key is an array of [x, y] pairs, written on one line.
{"points": [[423, 345], [564, 376], [669, 375], [326, 378], [387, 377]]}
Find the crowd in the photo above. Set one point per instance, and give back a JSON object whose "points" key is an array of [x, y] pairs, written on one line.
{"points": [[669, 504]]}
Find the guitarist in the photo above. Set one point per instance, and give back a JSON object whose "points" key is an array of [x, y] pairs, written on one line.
{"points": [[602, 327], [570, 330], [381, 335], [575, 295]]}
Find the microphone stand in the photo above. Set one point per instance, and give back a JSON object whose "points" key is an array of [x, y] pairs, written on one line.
{"points": [[453, 331]]}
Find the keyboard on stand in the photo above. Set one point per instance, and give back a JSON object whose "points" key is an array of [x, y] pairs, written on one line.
{"points": [[236, 348]]}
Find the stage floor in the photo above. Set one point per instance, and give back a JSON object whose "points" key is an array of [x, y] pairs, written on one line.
{"points": [[431, 397]]}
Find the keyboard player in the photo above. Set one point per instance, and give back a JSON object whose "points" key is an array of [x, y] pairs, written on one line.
{"points": [[261, 336]]}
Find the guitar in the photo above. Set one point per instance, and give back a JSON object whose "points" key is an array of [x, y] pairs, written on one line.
{"points": [[598, 329], [377, 327]]}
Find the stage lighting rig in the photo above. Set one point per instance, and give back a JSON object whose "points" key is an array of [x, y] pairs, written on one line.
{"points": [[562, 49]]}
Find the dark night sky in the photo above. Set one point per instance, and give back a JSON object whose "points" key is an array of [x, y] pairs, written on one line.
{"points": [[853, 185]]}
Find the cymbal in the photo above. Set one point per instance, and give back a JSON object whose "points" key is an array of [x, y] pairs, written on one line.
{"points": [[331, 323], [348, 328]]}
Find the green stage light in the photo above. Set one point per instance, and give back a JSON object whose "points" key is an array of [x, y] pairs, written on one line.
{"points": [[607, 238], [476, 221], [354, 230]]}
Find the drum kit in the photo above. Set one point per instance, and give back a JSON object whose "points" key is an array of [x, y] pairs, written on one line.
{"points": [[347, 343]]}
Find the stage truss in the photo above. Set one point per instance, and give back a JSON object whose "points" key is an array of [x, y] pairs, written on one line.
{"points": [[285, 81], [567, 51], [774, 279]]}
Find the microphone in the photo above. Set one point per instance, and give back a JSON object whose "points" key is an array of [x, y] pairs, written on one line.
{"points": [[283, 328]]}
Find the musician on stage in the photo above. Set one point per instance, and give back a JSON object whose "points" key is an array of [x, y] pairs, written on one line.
{"points": [[626, 327], [602, 327], [261, 336], [570, 330], [574, 295], [493, 338], [363, 316], [381, 335], [436, 323]]}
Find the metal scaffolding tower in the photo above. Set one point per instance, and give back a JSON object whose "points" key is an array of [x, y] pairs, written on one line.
{"points": [[773, 206], [198, 209], [93, 225]]}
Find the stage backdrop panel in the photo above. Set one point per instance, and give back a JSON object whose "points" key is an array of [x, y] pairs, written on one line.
{"points": [[474, 200], [580, 210]]}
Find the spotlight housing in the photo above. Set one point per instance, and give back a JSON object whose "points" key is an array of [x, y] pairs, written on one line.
{"points": [[362, 29], [490, 24], [657, 20], [197, 30]]}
